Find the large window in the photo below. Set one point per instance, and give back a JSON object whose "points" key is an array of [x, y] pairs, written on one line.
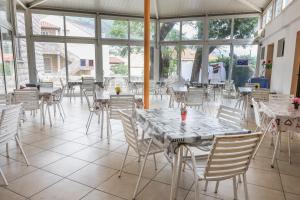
{"points": [[136, 30], [47, 24], [219, 62], [22, 61], [168, 61], [244, 63], [8, 60], [192, 30], [191, 62], [245, 28], [170, 31], [219, 28], [117, 29], [50, 61], [136, 63], [278, 7], [81, 60], [21, 24], [80, 26]]}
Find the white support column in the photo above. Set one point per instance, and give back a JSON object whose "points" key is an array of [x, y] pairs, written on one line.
{"points": [[230, 62], [98, 48], [156, 52], [14, 33], [30, 47], [257, 69], [205, 53]]}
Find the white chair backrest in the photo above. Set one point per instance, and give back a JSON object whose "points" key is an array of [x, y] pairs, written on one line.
{"points": [[46, 84], [60, 95], [230, 115], [9, 122], [5, 99], [261, 95], [281, 97], [28, 97], [129, 128], [230, 155], [88, 83], [252, 85], [257, 115], [118, 103], [194, 97]]}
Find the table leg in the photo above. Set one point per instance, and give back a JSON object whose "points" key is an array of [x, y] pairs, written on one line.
{"points": [[102, 120], [275, 149], [108, 124], [175, 173]]}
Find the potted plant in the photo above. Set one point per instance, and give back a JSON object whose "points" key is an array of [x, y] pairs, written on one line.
{"points": [[269, 65], [296, 102], [118, 90], [183, 113]]}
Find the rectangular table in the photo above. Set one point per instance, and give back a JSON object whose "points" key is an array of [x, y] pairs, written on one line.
{"points": [[287, 119], [165, 125]]}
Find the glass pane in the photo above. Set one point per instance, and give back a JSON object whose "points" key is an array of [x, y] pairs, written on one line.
{"points": [[136, 30], [2, 88], [22, 61], [8, 59], [50, 62], [278, 7], [191, 63], [81, 60], [115, 64], [5, 15], [169, 31], [269, 14], [47, 24], [168, 61], [21, 24], [80, 26], [136, 63], [219, 28], [286, 3], [219, 61], [244, 63], [192, 30], [114, 29], [245, 28]]}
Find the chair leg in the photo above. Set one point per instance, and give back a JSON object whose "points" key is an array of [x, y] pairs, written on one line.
{"points": [[245, 187], [276, 148], [234, 188], [205, 186], [184, 163], [289, 147], [142, 170], [62, 108], [102, 122], [155, 164], [217, 187], [22, 150], [7, 153], [49, 114], [3, 177], [109, 131], [89, 123], [123, 163], [60, 113], [261, 140], [86, 125]]}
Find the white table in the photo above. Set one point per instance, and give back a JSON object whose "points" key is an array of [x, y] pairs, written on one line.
{"points": [[165, 126], [287, 119]]}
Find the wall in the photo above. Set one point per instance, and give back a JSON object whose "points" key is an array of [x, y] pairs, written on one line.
{"points": [[286, 25]]}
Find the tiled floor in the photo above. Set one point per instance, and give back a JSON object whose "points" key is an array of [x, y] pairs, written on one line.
{"points": [[67, 164]]}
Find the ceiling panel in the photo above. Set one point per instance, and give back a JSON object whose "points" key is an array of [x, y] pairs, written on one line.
{"points": [[166, 8]]}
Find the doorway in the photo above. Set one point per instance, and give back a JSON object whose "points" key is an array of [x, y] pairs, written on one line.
{"points": [[270, 53], [295, 87]]}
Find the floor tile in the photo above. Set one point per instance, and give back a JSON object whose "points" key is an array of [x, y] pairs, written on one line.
{"points": [[289, 196], [15, 170], [290, 184], [122, 187], [64, 189], [49, 143], [90, 154], [98, 195], [33, 183], [44, 158], [8, 195], [66, 166], [92, 175], [159, 191], [68, 148], [114, 160]]}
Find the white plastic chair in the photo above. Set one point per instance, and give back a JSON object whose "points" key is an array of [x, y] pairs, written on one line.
{"points": [[46, 84], [195, 98], [5, 99], [230, 115], [260, 95], [230, 157], [88, 84], [9, 129], [281, 97], [93, 108], [142, 147]]}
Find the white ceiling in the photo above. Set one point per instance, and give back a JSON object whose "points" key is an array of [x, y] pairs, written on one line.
{"points": [[165, 8]]}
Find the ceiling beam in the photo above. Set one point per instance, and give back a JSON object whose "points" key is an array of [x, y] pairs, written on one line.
{"points": [[21, 4], [156, 9], [251, 5], [36, 3]]}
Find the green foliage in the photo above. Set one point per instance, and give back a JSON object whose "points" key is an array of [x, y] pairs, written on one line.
{"points": [[245, 28], [219, 28], [120, 69]]}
